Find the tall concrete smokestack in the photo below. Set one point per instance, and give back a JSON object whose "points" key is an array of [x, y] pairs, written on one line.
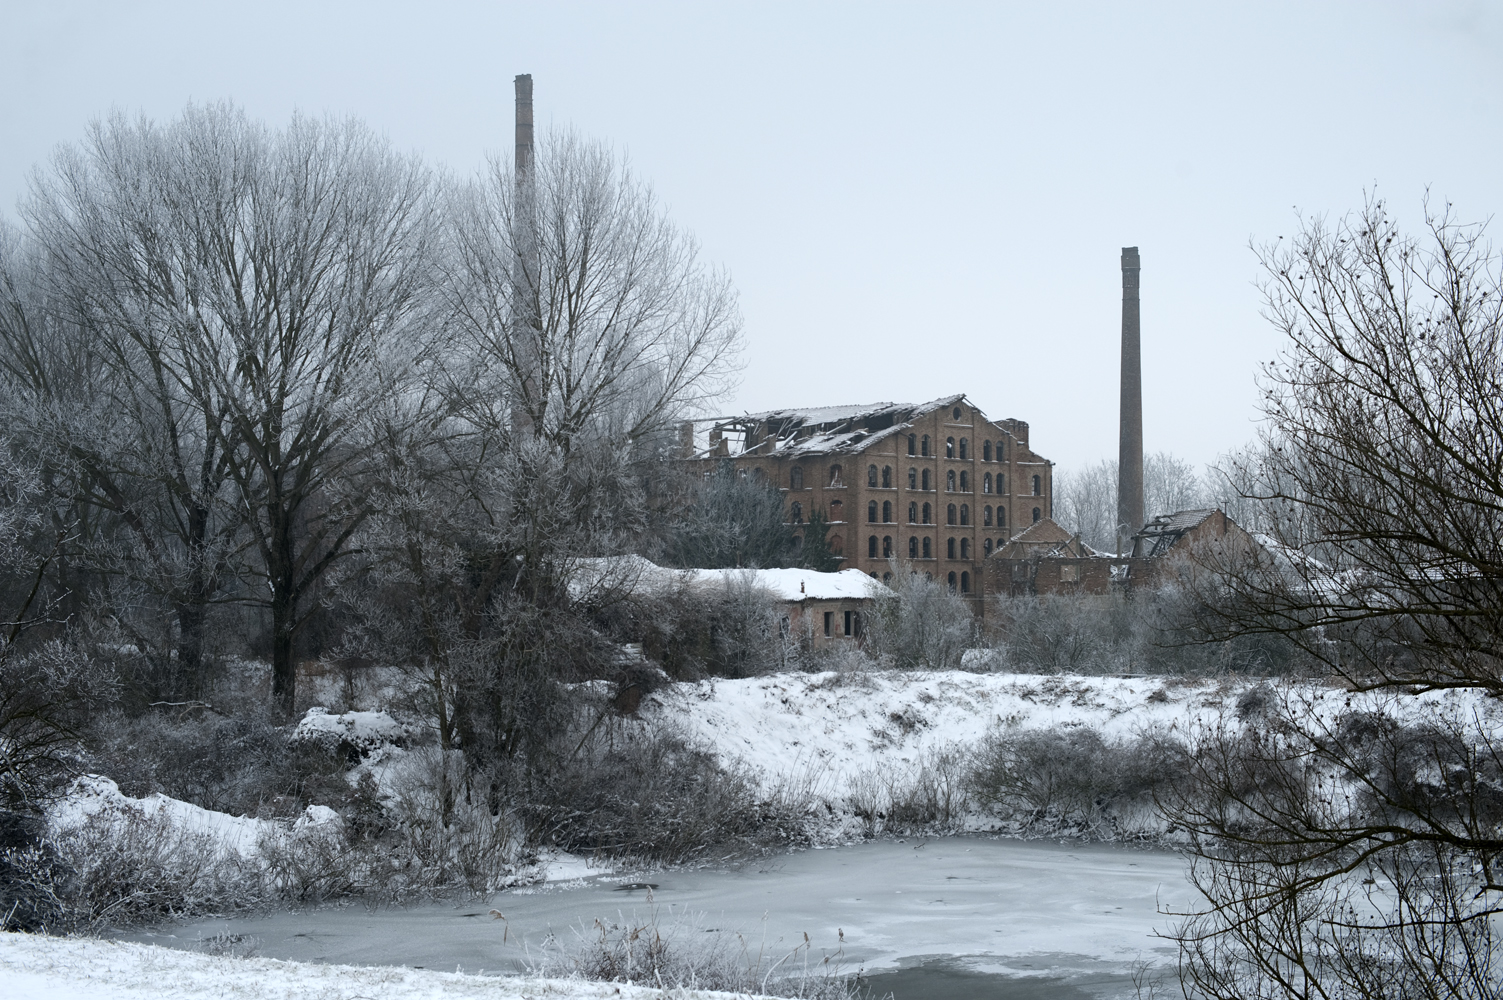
{"points": [[1130, 446], [527, 410], [524, 125]]}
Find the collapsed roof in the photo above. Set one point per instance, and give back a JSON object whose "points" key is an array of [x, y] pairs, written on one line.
{"points": [[1160, 535], [821, 430]]}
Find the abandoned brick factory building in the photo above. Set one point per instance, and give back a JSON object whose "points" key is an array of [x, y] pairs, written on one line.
{"points": [[938, 484]]}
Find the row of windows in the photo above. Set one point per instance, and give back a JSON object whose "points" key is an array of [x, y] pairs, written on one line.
{"points": [[917, 514], [963, 583], [920, 480], [923, 548], [919, 445]]}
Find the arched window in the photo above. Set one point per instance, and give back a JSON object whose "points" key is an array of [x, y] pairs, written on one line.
{"points": [[886, 546], [988, 546], [871, 475], [837, 545], [965, 583], [924, 446], [928, 550], [952, 581], [964, 448], [965, 513], [926, 481], [871, 511], [913, 513], [837, 510], [965, 548], [913, 479], [927, 514], [912, 443], [949, 447], [871, 547], [950, 514], [950, 480], [835, 476], [796, 478], [796, 513], [929, 577], [886, 511], [1001, 517], [955, 413], [887, 477], [986, 516], [1037, 515], [965, 481], [950, 548], [986, 483], [1038, 486], [913, 548], [887, 578], [1001, 451], [1001, 483], [986, 451]]}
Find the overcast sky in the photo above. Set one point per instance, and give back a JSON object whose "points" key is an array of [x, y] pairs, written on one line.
{"points": [[913, 199]]}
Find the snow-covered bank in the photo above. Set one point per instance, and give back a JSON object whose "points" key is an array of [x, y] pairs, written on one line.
{"points": [[49, 968], [826, 730]]}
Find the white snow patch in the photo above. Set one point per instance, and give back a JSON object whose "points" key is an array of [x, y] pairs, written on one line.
{"points": [[93, 795], [366, 730], [46, 968]]}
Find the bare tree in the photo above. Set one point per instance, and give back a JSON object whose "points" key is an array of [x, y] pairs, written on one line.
{"points": [[254, 295], [1086, 500], [1381, 478]]}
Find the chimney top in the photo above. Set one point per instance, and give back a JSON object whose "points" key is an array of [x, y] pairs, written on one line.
{"points": [[524, 122]]}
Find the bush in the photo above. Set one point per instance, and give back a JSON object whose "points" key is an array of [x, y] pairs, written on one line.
{"points": [[633, 791], [920, 624], [1072, 779], [680, 954]]}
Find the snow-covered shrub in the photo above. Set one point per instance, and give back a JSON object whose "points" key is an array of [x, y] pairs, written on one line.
{"points": [[1073, 779], [350, 734], [121, 861], [443, 834], [931, 794], [920, 624], [239, 764], [675, 951], [641, 792]]}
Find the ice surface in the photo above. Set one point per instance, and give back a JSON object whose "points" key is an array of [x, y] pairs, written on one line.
{"points": [[1027, 907]]}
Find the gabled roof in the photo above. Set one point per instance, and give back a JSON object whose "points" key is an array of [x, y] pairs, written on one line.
{"points": [[1160, 534], [1044, 539]]}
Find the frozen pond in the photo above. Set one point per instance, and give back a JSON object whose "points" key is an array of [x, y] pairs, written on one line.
{"points": [[951, 917]]}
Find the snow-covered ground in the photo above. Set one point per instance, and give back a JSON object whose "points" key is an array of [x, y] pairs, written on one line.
{"points": [[47, 968], [822, 732]]}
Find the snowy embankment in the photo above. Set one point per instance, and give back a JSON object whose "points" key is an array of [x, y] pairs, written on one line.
{"points": [[826, 735], [34, 967]]}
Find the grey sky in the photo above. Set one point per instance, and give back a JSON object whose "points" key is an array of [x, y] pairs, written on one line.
{"points": [[955, 178]]}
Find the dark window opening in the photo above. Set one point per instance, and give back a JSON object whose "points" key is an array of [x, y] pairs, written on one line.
{"points": [[965, 548], [950, 514], [926, 480], [986, 517], [796, 513], [965, 513], [928, 548], [1037, 515], [986, 483], [950, 548], [924, 446], [1038, 486], [871, 512], [912, 443], [913, 548], [986, 451], [964, 446], [871, 475], [988, 546], [913, 513], [965, 583], [913, 479], [965, 481], [886, 546], [887, 477], [950, 481], [886, 511], [796, 478], [949, 447], [829, 623], [952, 581], [871, 547], [927, 513]]}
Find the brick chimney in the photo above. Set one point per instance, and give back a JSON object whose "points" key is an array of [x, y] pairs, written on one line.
{"points": [[1130, 446]]}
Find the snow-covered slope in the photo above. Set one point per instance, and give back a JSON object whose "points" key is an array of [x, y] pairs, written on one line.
{"points": [[45, 968], [825, 730]]}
